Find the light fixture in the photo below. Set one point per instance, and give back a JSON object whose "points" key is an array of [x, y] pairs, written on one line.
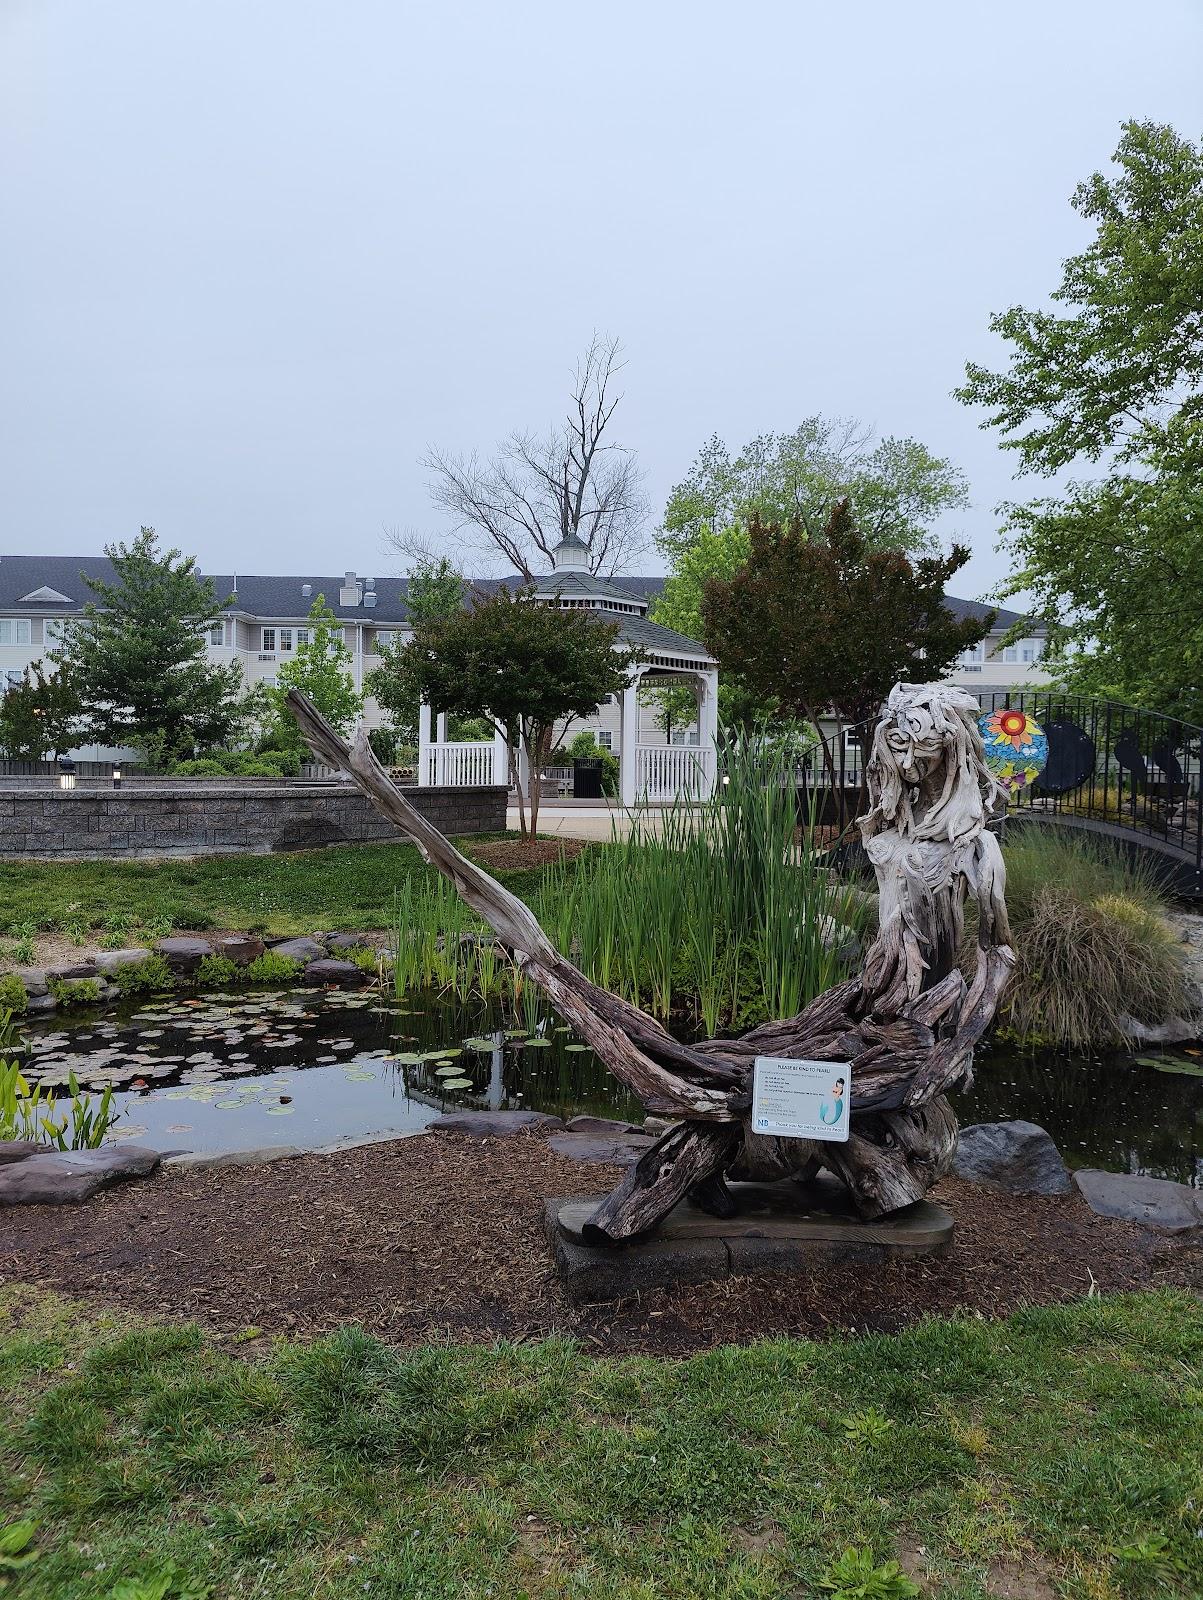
{"points": [[66, 772], [116, 777]]}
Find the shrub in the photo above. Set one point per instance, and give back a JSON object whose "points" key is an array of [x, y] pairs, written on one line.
{"points": [[205, 768], [75, 991], [216, 972], [273, 968], [142, 977], [363, 955], [585, 744], [13, 997]]}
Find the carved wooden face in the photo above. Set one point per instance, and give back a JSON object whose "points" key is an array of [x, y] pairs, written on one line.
{"points": [[915, 742]]}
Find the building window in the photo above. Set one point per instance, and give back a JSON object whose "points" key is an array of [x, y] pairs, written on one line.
{"points": [[217, 633], [302, 637], [13, 680], [269, 639], [605, 739], [16, 630], [1024, 653], [285, 638], [53, 630], [971, 660]]}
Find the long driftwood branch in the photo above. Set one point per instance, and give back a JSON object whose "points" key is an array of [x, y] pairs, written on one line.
{"points": [[906, 1026]]}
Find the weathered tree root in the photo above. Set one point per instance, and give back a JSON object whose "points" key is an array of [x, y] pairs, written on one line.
{"points": [[905, 1027]]}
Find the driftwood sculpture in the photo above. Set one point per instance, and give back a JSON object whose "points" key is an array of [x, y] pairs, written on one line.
{"points": [[906, 1026]]}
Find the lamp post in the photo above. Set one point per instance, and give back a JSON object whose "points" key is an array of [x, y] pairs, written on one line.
{"points": [[116, 777], [66, 772]]}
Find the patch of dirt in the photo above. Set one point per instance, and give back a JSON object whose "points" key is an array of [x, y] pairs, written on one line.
{"points": [[442, 1235], [1019, 1580], [507, 855]]}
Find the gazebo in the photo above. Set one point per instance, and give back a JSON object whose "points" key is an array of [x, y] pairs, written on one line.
{"points": [[653, 772]]}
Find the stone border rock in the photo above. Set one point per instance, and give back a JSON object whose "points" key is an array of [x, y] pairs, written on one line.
{"points": [[183, 955], [35, 1175]]}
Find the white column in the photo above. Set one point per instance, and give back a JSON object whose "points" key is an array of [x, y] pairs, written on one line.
{"points": [[708, 722], [628, 738], [423, 745], [501, 758]]}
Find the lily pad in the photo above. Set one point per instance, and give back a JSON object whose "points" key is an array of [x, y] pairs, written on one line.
{"points": [[457, 1083], [576, 1047], [478, 1044], [1187, 1069], [279, 1111], [535, 1044]]}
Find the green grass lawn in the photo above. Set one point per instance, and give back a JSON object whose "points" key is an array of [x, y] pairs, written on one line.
{"points": [[1061, 1448], [343, 887]]}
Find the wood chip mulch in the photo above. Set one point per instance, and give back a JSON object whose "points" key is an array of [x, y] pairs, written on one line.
{"points": [[508, 855], [440, 1236]]}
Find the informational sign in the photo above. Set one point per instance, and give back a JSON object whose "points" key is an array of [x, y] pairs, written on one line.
{"points": [[801, 1099]]}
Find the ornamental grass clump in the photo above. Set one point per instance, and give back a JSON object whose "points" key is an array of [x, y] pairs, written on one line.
{"points": [[1094, 946]]}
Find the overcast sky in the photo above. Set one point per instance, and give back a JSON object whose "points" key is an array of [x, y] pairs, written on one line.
{"points": [[260, 253]]}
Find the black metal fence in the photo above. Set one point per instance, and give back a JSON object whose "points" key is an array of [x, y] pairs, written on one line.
{"points": [[1126, 771], [1112, 769]]}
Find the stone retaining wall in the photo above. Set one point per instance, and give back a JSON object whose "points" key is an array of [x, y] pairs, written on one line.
{"points": [[230, 817]]}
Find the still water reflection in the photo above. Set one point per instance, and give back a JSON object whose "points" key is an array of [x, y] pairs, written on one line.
{"points": [[310, 1068]]}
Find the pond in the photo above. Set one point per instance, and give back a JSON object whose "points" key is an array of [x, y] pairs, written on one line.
{"points": [[313, 1068]]}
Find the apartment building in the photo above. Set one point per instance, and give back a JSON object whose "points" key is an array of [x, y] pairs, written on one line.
{"points": [[265, 620]]}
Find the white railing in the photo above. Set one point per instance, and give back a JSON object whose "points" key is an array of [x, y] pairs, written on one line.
{"points": [[664, 771], [459, 765]]}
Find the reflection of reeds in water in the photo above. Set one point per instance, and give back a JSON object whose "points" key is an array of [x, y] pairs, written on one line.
{"points": [[716, 909]]}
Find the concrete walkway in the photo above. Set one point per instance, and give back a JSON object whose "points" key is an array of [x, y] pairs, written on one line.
{"points": [[581, 820]]}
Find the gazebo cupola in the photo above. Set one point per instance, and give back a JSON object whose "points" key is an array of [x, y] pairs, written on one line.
{"points": [[571, 554]]}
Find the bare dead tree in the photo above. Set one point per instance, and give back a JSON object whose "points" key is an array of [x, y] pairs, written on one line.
{"points": [[538, 490]]}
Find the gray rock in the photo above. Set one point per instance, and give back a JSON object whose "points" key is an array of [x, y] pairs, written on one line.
{"points": [[1156, 1202], [40, 1005], [342, 974], [21, 1149], [67, 1177], [603, 1127], [78, 969], [347, 941], [110, 960], [241, 949], [300, 949], [1174, 1030], [1019, 1157], [192, 1160], [34, 979], [498, 1124], [604, 1152], [184, 955]]}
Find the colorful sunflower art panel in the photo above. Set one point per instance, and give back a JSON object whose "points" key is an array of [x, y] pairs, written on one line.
{"points": [[1016, 747]]}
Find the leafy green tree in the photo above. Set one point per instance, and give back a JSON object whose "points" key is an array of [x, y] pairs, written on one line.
{"points": [[831, 623], [524, 667], [1112, 374], [322, 669], [435, 588], [138, 654], [898, 486], [40, 716]]}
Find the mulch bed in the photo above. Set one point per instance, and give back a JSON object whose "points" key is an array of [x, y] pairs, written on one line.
{"points": [[441, 1236], [507, 855]]}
